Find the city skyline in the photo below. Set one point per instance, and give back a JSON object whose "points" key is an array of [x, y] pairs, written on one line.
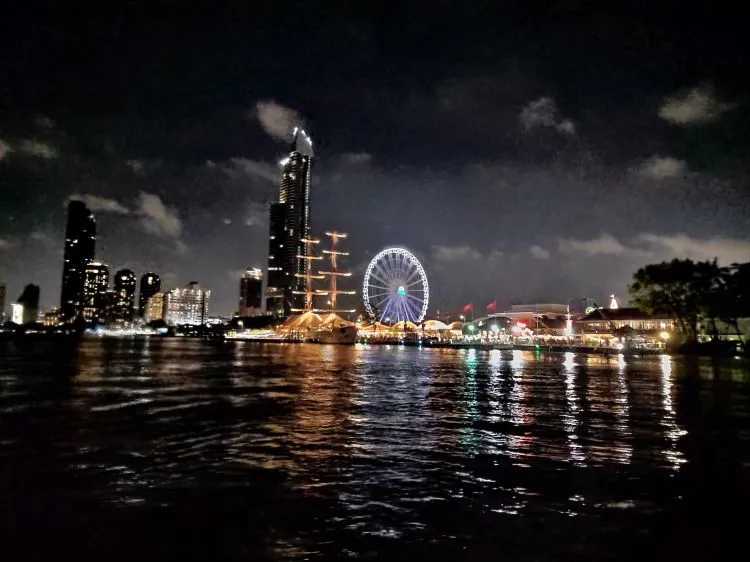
{"points": [[552, 152]]}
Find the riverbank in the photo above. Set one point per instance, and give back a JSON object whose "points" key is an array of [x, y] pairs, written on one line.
{"points": [[704, 350]]}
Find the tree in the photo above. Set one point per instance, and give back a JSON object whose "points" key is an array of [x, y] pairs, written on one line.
{"points": [[733, 301], [679, 288]]}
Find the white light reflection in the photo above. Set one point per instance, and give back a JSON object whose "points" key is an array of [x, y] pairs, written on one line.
{"points": [[470, 436], [672, 431], [624, 452], [572, 410], [494, 390], [519, 415]]}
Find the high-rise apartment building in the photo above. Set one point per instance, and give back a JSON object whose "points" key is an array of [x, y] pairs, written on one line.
{"points": [[150, 285], [124, 298], [80, 245], [251, 292], [188, 305], [95, 286], [289, 227]]}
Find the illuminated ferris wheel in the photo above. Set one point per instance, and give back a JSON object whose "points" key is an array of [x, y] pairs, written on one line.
{"points": [[395, 288]]}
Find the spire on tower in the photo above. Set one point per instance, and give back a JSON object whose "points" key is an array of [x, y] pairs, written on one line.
{"points": [[301, 142]]}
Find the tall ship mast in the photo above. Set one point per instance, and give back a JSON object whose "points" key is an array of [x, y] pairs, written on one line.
{"points": [[308, 258], [334, 274]]}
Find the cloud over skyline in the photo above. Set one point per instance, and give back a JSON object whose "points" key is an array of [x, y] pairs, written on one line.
{"points": [[97, 203], [539, 253], [697, 105], [543, 112], [156, 217], [277, 120], [661, 167], [659, 247]]}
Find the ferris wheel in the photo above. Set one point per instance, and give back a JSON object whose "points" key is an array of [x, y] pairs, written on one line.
{"points": [[395, 288]]}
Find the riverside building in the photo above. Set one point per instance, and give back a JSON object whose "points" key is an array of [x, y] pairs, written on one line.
{"points": [[187, 305], [289, 227], [80, 245]]}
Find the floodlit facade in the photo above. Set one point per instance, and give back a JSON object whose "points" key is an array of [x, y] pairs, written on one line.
{"points": [[604, 320], [80, 245], [150, 285], [52, 317], [95, 285], [289, 227], [29, 300], [188, 305], [154, 309], [251, 292], [16, 313]]}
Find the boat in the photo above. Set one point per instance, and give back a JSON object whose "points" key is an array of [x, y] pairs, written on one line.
{"points": [[334, 329], [336, 335], [321, 325]]}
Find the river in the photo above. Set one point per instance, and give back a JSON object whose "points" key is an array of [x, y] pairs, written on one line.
{"points": [[183, 449]]}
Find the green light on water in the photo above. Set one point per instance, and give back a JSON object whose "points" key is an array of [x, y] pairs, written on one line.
{"points": [[401, 292]]}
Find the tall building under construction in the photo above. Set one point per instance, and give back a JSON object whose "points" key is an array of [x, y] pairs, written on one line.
{"points": [[289, 228]]}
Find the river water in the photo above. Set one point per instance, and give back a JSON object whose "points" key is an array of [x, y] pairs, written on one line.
{"points": [[181, 449]]}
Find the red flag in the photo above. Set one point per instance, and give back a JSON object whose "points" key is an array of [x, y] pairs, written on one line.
{"points": [[492, 307], [468, 308]]}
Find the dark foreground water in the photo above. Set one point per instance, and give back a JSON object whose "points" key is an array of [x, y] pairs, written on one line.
{"points": [[175, 449]]}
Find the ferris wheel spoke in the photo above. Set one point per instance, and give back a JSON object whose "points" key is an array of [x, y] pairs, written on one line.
{"points": [[379, 300], [378, 274], [417, 307], [412, 298], [409, 312], [392, 266], [402, 266], [384, 265], [385, 311], [384, 273], [381, 283], [378, 286], [402, 307], [378, 295], [413, 275], [398, 266]]}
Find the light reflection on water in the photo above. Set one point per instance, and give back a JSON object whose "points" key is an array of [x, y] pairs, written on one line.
{"points": [[351, 446]]}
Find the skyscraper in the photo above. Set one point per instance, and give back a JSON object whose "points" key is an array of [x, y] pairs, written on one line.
{"points": [[95, 285], [251, 292], [80, 245], [188, 305], [124, 286], [276, 279], [29, 299], [150, 285], [290, 226]]}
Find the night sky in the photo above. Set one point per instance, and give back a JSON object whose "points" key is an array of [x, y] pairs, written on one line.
{"points": [[524, 151]]}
